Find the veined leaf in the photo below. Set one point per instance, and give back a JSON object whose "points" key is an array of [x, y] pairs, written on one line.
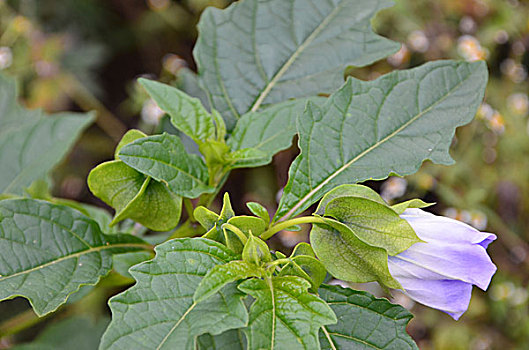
{"points": [[187, 113], [233, 339], [347, 258], [164, 158], [364, 322], [269, 130], [285, 315], [32, 143], [412, 203], [348, 191], [158, 312], [406, 117], [246, 69], [48, 243]]}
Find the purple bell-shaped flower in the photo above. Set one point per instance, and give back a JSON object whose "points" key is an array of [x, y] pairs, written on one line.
{"points": [[441, 272]]}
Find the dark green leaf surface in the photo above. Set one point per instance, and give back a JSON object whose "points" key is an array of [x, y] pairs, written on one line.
{"points": [[164, 158], [53, 250], [364, 322], [230, 340], [287, 49], [270, 130], [406, 117], [186, 112], [158, 312], [347, 258], [285, 315], [32, 143]]}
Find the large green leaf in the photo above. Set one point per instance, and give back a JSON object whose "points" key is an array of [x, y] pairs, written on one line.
{"points": [[347, 258], [164, 158], [262, 52], [365, 322], [77, 332], [285, 315], [406, 117], [53, 250], [186, 112], [269, 130], [32, 143], [158, 312]]}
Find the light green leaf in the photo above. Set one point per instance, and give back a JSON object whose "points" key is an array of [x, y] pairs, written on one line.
{"points": [[269, 130], [221, 275], [248, 223], [256, 251], [205, 217], [32, 143], [412, 203], [246, 69], [406, 117], [348, 191], [260, 211], [284, 315], [347, 258], [305, 265], [48, 242], [233, 339], [216, 232], [163, 157], [77, 332], [158, 312], [135, 196], [364, 322], [129, 137], [374, 223], [187, 113], [247, 158]]}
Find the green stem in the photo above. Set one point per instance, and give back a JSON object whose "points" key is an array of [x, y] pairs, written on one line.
{"points": [[289, 223], [237, 231], [189, 209]]}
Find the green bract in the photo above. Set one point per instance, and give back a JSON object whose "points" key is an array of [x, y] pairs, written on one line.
{"points": [[268, 71]]}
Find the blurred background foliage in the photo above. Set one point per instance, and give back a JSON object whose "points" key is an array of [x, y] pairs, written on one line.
{"points": [[87, 54]]}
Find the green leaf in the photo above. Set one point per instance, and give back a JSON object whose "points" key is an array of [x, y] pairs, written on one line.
{"points": [[364, 322], [187, 113], [256, 251], [187, 81], [205, 217], [32, 143], [48, 242], [284, 315], [216, 232], [123, 262], [135, 196], [412, 203], [163, 157], [374, 223], [246, 69], [233, 339], [158, 312], [221, 275], [270, 130], [247, 158], [260, 211], [406, 117], [248, 223], [129, 137], [348, 191], [305, 265], [347, 258], [77, 332]]}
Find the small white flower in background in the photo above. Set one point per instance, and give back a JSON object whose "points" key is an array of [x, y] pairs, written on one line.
{"points": [[514, 70], [470, 48], [158, 5], [418, 41], [400, 57], [392, 188], [485, 111], [6, 57], [518, 103], [151, 113], [173, 63], [467, 25], [501, 37], [475, 218]]}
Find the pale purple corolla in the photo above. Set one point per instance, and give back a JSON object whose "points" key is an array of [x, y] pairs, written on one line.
{"points": [[440, 273]]}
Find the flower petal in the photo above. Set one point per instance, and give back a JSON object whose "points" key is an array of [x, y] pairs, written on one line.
{"points": [[430, 228], [465, 262]]}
